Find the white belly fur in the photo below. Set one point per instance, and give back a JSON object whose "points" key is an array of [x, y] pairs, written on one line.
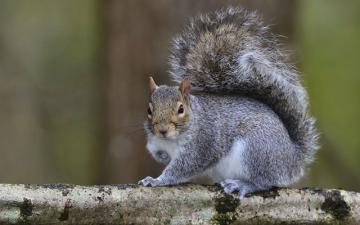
{"points": [[230, 167], [171, 147]]}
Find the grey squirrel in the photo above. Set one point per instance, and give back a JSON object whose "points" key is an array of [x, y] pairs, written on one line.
{"points": [[239, 116]]}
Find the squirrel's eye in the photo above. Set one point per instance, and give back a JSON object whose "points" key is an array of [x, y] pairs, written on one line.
{"points": [[149, 111], [181, 109]]}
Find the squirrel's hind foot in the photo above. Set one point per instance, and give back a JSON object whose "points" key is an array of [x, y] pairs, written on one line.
{"points": [[243, 188]]}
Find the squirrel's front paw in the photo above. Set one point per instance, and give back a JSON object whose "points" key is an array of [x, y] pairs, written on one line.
{"points": [[149, 182]]}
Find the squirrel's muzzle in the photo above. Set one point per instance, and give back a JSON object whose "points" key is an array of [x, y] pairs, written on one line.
{"points": [[163, 132]]}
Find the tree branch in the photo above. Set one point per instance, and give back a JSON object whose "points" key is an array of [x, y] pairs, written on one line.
{"points": [[186, 204]]}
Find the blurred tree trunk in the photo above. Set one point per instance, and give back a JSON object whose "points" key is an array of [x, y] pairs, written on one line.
{"points": [[138, 33], [48, 106]]}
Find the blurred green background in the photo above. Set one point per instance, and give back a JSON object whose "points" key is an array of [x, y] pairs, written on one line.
{"points": [[73, 83]]}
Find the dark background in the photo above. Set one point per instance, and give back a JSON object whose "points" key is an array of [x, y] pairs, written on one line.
{"points": [[73, 83]]}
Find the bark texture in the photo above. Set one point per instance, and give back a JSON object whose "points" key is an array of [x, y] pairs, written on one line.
{"points": [[186, 204]]}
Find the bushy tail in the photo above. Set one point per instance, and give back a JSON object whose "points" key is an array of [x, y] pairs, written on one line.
{"points": [[231, 51]]}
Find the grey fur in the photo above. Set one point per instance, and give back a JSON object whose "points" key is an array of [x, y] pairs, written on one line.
{"points": [[243, 89]]}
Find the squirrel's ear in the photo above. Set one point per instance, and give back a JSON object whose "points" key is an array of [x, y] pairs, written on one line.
{"points": [[152, 85], [185, 87]]}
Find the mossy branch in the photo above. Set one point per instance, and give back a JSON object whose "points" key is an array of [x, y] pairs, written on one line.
{"points": [[186, 204]]}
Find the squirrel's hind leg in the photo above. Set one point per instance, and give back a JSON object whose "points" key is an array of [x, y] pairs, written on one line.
{"points": [[243, 187]]}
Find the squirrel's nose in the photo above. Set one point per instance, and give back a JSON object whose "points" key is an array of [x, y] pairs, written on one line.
{"points": [[163, 131]]}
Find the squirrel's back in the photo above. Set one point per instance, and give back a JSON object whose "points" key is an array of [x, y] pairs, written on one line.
{"points": [[232, 52]]}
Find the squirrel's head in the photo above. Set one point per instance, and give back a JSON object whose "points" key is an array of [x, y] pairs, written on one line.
{"points": [[168, 112]]}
